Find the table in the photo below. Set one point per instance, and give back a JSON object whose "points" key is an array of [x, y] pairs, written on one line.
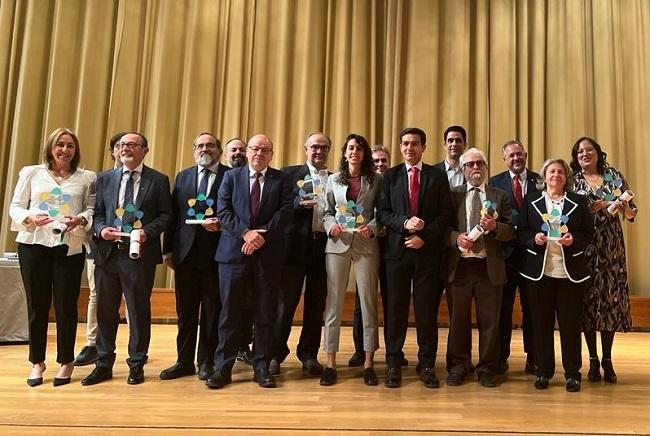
{"points": [[13, 306]]}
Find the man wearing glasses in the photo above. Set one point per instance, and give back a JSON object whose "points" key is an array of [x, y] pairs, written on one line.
{"points": [[305, 260], [254, 210], [141, 195], [476, 269], [189, 250]]}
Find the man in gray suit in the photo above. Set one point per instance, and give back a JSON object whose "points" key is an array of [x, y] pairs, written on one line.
{"points": [[476, 270], [142, 197]]}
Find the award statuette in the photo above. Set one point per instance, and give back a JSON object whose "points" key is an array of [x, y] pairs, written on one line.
{"points": [[310, 189], [200, 208], [124, 226], [349, 216], [555, 225], [55, 204]]}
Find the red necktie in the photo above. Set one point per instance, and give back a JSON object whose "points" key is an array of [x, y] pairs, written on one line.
{"points": [[414, 190], [516, 189], [255, 199]]}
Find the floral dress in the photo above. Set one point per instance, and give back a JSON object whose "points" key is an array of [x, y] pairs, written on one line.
{"points": [[607, 301]]}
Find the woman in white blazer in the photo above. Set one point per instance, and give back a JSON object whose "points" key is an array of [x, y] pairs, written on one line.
{"points": [[351, 227]]}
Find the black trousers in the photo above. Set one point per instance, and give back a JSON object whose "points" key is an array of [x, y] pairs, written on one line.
{"points": [[515, 281], [550, 296], [246, 330], [49, 274], [197, 293], [472, 283], [314, 276], [421, 274], [134, 278], [233, 279]]}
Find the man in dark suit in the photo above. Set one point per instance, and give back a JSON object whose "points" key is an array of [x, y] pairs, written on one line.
{"points": [[476, 270], [455, 143], [254, 208], [189, 250], [133, 185], [413, 205], [517, 181], [305, 261]]}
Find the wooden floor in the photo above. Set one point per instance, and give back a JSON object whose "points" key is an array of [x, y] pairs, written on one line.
{"points": [[300, 405]]}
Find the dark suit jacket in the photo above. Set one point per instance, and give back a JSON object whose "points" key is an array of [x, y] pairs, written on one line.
{"points": [[153, 199], [233, 210], [495, 262], [433, 201], [180, 237], [503, 181], [300, 232], [581, 227]]}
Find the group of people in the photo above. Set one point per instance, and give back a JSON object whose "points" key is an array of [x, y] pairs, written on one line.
{"points": [[246, 241]]}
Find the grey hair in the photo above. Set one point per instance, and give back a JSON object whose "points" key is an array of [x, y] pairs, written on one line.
{"points": [[512, 142], [380, 147], [310, 134], [541, 181], [473, 150]]}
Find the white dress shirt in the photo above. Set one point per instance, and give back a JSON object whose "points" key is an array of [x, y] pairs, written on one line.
{"points": [[251, 175], [34, 181], [137, 175], [468, 211], [523, 181], [212, 175], [454, 175]]}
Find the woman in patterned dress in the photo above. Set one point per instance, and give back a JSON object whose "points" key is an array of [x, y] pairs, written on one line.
{"points": [[607, 302]]}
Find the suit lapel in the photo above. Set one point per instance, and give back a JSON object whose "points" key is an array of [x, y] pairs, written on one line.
{"points": [[268, 184], [245, 190], [462, 210], [115, 180], [540, 206], [404, 182], [145, 182], [569, 206]]}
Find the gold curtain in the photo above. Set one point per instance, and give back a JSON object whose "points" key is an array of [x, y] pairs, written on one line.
{"points": [[544, 71]]}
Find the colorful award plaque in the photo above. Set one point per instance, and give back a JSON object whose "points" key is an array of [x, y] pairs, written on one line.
{"points": [[55, 204], [310, 189], [123, 224], [200, 208], [349, 216], [555, 224]]}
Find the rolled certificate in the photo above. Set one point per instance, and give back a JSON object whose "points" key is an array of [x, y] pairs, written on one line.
{"points": [[134, 246], [626, 196], [476, 232], [59, 228], [196, 221]]}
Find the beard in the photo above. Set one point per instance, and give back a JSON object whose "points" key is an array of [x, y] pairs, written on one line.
{"points": [[205, 160], [238, 161]]}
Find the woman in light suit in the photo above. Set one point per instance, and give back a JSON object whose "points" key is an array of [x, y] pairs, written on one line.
{"points": [[351, 227], [555, 228]]}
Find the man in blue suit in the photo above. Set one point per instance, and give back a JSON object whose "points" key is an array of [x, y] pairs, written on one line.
{"points": [[254, 209], [517, 181], [115, 272], [189, 250]]}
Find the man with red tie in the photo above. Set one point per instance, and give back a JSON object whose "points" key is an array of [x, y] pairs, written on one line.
{"points": [[517, 181], [414, 207]]}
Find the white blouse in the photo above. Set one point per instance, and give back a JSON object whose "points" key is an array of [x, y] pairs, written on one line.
{"points": [[37, 192]]}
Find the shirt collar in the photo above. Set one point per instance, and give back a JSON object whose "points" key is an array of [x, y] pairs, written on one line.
{"points": [[313, 169], [137, 169], [417, 165], [251, 172], [523, 176], [214, 168], [449, 166], [480, 187]]}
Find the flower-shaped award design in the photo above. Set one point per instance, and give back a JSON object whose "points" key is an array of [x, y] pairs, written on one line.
{"points": [[609, 189], [200, 208], [349, 215], [310, 188], [555, 224], [54, 203], [123, 223], [489, 209]]}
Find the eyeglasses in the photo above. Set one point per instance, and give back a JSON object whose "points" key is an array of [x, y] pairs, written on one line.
{"points": [[209, 145], [475, 163], [129, 145], [262, 150], [319, 147]]}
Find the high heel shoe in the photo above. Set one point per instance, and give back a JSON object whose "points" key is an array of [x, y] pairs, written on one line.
{"points": [[594, 370], [60, 381], [608, 371], [35, 381]]}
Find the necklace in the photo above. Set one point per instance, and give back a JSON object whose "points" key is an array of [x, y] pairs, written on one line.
{"points": [[59, 175]]}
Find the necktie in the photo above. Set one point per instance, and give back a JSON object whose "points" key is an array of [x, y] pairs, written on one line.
{"points": [[475, 218], [128, 199], [255, 199], [203, 184], [516, 190], [414, 190]]}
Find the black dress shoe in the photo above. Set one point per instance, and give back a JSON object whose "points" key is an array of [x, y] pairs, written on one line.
{"points": [[274, 366], [264, 378], [312, 367], [573, 385], [541, 382], [530, 367], [608, 371], [87, 356], [486, 379], [594, 370], [98, 375], [405, 361], [136, 375], [329, 377], [503, 368], [219, 379], [245, 355], [370, 377], [429, 379], [393, 378], [357, 359], [455, 379], [205, 371], [179, 369], [61, 381]]}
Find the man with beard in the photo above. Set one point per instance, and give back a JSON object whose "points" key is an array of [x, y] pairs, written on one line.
{"points": [[235, 151], [141, 195], [476, 270], [305, 262], [517, 181], [189, 251]]}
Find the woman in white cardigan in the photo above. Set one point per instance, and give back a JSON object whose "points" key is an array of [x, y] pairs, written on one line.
{"points": [[52, 211], [351, 227]]}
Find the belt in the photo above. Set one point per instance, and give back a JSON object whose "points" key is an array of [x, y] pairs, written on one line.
{"points": [[319, 235], [121, 245]]}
